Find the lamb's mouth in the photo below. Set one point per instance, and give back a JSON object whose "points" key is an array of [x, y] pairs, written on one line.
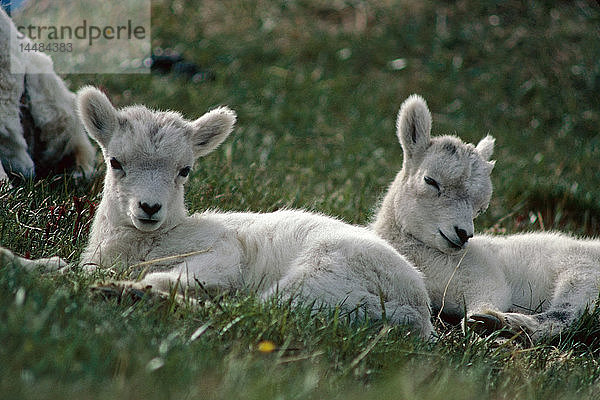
{"points": [[148, 221], [452, 244]]}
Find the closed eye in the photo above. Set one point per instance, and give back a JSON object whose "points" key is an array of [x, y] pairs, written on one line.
{"points": [[115, 164], [432, 182]]}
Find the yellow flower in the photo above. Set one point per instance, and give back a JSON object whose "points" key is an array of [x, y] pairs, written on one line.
{"points": [[266, 346]]}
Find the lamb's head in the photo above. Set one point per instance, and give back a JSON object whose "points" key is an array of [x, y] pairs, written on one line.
{"points": [[148, 156], [444, 183]]}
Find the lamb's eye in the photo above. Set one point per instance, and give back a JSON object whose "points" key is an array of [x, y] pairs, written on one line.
{"points": [[430, 181], [115, 164], [184, 171]]}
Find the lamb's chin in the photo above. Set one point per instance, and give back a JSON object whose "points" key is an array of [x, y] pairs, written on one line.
{"points": [[442, 246], [447, 249]]}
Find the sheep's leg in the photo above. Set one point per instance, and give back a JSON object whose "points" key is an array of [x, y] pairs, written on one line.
{"points": [[13, 146], [508, 325], [47, 264], [175, 284], [199, 276], [3, 175], [330, 289], [490, 317], [529, 327], [575, 290], [135, 291], [484, 309], [163, 285], [122, 289]]}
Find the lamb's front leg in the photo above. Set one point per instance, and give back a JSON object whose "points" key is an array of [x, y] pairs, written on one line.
{"points": [[3, 175], [205, 273], [47, 264], [13, 145], [575, 290], [486, 304], [175, 284], [164, 285], [532, 328], [509, 324]]}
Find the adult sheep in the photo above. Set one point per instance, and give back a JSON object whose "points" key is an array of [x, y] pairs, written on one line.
{"points": [[40, 133]]}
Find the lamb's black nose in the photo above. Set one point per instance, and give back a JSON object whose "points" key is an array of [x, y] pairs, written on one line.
{"points": [[150, 210], [462, 235]]}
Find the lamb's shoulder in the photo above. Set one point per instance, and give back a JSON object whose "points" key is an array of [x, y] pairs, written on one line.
{"points": [[450, 277], [110, 246], [196, 233]]}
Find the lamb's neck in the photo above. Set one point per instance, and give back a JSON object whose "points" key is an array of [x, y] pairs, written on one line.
{"points": [[406, 244], [385, 218], [430, 261], [113, 237], [387, 226]]}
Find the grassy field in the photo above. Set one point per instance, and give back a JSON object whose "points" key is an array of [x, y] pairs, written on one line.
{"points": [[317, 85]]}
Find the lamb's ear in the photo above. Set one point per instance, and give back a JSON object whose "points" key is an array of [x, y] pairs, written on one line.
{"points": [[97, 114], [211, 129], [414, 127], [485, 147]]}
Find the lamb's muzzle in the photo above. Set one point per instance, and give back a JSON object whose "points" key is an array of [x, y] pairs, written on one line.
{"points": [[150, 210], [463, 236]]}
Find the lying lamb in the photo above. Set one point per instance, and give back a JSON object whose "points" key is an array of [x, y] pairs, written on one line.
{"points": [[537, 283], [142, 217]]}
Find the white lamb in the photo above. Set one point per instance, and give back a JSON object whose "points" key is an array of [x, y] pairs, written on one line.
{"points": [[537, 283], [53, 137], [142, 217]]}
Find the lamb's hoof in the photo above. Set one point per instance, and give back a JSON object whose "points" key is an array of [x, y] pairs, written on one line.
{"points": [[130, 292], [120, 292], [486, 324]]}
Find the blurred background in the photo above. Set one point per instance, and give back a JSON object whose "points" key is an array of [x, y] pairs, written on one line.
{"points": [[317, 85]]}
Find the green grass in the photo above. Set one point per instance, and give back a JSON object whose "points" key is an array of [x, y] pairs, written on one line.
{"points": [[316, 98]]}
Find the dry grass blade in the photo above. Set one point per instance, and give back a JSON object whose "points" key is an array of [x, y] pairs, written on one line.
{"points": [[439, 315], [383, 332], [147, 264]]}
